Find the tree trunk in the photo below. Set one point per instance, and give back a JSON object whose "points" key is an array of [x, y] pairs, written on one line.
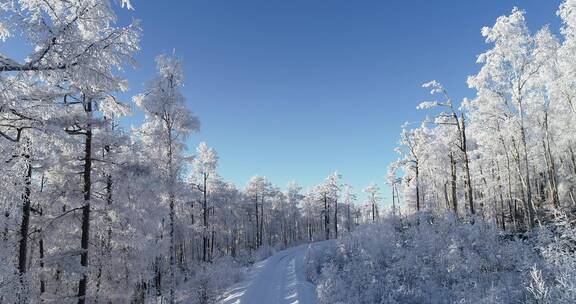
{"points": [[172, 215], [41, 247], [373, 200], [522, 183], [453, 185], [24, 227], [205, 219], [349, 218], [85, 238], [336, 218], [529, 205], [417, 190], [393, 200], [467, 168], [257, 222], [262, 221], [42, 282], [446, 199], [326, 218], [498, 179], [172, 250], [509, 171], [552, 166]]}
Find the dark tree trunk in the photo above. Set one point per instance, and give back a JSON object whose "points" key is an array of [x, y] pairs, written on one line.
{"points": [[41, 247], [326, 218], [205, 239], [417, 191], [349, 218], [453, 184], [42, 282], [336, 218], [85, 238], [261, 221], [257, 222], [24, 227]]}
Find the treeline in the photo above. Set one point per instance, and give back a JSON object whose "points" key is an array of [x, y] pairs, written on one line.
{"points": [[507, 155]]}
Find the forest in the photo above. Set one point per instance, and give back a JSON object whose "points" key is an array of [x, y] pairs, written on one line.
{"points": [[481, 209]]}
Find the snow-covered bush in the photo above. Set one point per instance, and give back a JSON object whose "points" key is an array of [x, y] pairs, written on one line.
{"points": [[318, 256], [554, 280], [263, 253], [210, 280], [247, 258], [424, 259]]}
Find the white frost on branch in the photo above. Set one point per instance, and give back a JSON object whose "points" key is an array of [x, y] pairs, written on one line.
{"points": [[127, 4]]}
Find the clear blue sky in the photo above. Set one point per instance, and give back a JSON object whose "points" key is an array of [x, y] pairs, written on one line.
{"points": [[294, 90]]}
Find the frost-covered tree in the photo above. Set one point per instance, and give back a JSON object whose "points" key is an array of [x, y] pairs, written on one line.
{"points": [[509, 81], [168, 124], [257, 189], [455, 118], [373, 191], [77, 47], [205, 164]]}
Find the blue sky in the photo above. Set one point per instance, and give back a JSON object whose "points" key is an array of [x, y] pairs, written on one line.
{"points": [[294, 90]]}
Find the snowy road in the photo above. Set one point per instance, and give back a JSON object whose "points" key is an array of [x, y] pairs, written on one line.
{"points": [[280, 279]]}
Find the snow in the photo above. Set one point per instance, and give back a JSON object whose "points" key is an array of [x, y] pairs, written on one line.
{"points": [[280, 279]]}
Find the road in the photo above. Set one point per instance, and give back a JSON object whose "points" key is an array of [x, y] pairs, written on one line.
{"points": [[280, 279]]}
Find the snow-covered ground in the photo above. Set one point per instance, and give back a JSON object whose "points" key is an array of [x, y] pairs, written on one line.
{"points": [[280, 279]]}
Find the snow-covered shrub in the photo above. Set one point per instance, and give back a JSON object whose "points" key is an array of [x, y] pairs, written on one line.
{"points": [[317, 256], [554, 281], [246, 258], [210, 280], [263, 253], [424, 259], [9, 282]]}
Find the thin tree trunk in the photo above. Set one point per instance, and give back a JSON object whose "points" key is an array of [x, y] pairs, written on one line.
{"points": [[349, 218], [529, 206], [552, 166], [373, 208], [417, 190], [42, 282], [262, 221], [257, 222], [171, 196], [85, 238], [453, 185], [24, 227], [326, 218], [509, 171], [336, 218], [41, 246], [501, 194], [522, 181], [467, 168], [205, 219], [393, 201]]}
